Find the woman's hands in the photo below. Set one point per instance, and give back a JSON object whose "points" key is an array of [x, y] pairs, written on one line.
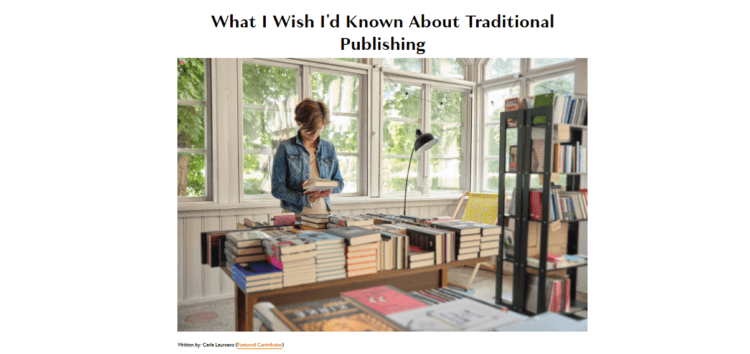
{"points": [[316, 194]]}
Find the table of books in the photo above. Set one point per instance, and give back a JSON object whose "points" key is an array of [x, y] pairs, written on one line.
{"points": [[429, 277]]}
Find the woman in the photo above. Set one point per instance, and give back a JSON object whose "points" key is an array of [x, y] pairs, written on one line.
{"points": [[303, 157]]}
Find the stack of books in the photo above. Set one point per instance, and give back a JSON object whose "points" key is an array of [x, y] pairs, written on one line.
{"points": [[257, 276], [361, 249], [293, 254], [330, 258], [490, 240], [245, 246], [423, 242], [419, 257], [555, 261], [351, 220], [314, 221], [468, 237]]}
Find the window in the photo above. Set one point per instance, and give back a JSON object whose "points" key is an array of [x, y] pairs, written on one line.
{"points": [[560, 84], [450, 68], [540, 62], [403, 114], [501, 67], [401, 119], [494, 105], [407, 64], [192, 123], [341, 93], [446, 117], [270, 92], [269, 95]]}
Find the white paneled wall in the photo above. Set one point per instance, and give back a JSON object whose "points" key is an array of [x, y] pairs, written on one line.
{"points": [[199, 282]]}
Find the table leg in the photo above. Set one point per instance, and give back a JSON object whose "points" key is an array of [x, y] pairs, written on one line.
{"points": [[444, 277], [239, 309], [250, 302]]}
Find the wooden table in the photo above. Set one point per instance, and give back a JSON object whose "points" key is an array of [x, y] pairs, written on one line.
{"points": [[405, 279]]}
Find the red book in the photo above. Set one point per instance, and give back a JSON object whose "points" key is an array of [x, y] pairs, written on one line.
{"points": [[384, 299], [536, 205], [567, 295]]}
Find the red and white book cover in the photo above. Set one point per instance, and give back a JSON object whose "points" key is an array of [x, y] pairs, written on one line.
{"points": [[384, 299], [555, 304]]}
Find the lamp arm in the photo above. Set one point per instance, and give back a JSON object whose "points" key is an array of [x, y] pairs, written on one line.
{"points": [[406, 186]]}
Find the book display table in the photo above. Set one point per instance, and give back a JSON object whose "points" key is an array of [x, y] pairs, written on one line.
{"points": [[430, 277]]}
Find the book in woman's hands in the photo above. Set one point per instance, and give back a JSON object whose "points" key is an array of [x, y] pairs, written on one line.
{"points": [[319, 184]]}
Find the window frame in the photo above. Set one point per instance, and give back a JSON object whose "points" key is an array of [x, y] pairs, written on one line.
{"points": [[427, 84], [207, 150], [526, 79], [304, 85]]}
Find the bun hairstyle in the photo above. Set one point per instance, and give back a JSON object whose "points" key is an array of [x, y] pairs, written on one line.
{"points": [[311, 114]]}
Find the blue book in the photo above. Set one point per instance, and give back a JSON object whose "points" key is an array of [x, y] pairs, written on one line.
{"points": [[256, 270]]}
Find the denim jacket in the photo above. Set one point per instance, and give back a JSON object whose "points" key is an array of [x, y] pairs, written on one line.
{"points": [[291, 167]]}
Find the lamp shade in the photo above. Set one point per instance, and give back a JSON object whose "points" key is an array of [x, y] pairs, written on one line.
{"points": [[424, 141]]}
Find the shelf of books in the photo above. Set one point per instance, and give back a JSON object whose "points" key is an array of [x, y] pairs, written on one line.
{"points": [[542, 213]]}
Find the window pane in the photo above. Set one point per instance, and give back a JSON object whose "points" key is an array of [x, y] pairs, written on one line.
{"points": [[191, 175], [495, 101], [342, 132], [502, 66], [540, 62], [273, 92], [264, 129], [560, 84], [398, 137], [256, 175], [446, 174], [452, 106], [492, 137], [408, 64], [492, 175], [269, 86], [349, 170], [396, 102], [448, 67], [394, 175], [339, 92], [191, 129], [191, 79], [449, 140]]}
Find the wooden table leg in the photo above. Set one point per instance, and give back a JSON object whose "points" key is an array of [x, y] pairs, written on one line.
{"points": [[443, 278], [239, 309], [250, 302]]}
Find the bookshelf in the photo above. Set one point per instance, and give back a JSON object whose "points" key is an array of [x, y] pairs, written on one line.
{"points": [[536, 123]]}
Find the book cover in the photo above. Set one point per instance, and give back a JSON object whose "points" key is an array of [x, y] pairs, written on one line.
{"points": [[247, 238], [537, 155], [513, 158], [385, 299], [319, 184], [458, 315], [256, 270], [351, 220], [355, 235], [544, 100], [333, 315], [513, 104], [287, 219], [322, 238], [535, 201]]}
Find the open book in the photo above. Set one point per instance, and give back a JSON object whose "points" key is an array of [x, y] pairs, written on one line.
{"points": [[319, 184]]}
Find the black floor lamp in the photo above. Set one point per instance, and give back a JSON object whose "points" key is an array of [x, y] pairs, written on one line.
{"points": [[423, 143]]}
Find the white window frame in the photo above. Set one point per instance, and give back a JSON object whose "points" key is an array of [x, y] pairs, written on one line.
{"points": [[304, 82], [525, 78], [428, 82], [208, 139]]}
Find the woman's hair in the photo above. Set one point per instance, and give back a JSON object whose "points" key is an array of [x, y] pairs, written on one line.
{"points": [[311, 114]]}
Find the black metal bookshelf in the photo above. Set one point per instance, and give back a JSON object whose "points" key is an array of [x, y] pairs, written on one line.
{"points": [[527, 121]]}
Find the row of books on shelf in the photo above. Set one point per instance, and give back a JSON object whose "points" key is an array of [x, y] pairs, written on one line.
{"points": [[564, 205], [387, 308], [569, 158], [265, 259], [565, 108]]}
